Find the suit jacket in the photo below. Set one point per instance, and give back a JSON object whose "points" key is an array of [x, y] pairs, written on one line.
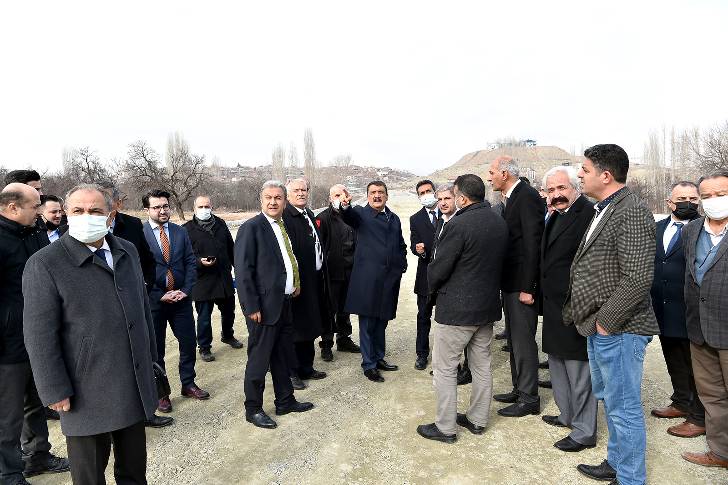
{"points": [[668, 285], [466, 283], [611, 275], [524, 214], [422, 231], [130, 228], [90, 335], [707, 304], [182, 262], [260, 272], [214, 281], [310, 307], [380, 259], [558, 247]]}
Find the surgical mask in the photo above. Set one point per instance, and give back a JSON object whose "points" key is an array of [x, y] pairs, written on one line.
{"points": [[716, 208], [428, 200], [203, 214], [87, 228], [51, 226], [685, 210], [336, 204]]}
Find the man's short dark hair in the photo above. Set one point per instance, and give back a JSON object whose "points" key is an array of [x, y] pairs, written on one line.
{"points": [[610, 158], [50, 198], [377, 183], [471, 186], [156, 193], [424, 182], [111, 188], [683, 183], [22, 176], [714, 175]]}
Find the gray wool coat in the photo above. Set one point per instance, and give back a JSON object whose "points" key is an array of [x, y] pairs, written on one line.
{"points": [[89, 335]]}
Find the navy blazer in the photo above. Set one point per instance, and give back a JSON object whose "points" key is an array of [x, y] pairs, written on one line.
{"points": [[260, 272], [182, 261], [668, 286], [422, 231]]}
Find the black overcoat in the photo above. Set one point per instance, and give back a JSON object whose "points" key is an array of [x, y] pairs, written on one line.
{"points": [[214, 281], [524, 214], [422, 231]]}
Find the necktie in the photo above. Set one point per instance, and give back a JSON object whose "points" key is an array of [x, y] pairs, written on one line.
{"points": [[100, 253], [289, 250], [433, 217], [166, 255], [675, 237]]}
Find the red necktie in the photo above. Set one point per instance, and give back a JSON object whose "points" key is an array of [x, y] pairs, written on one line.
{"points": [[165, 254]]}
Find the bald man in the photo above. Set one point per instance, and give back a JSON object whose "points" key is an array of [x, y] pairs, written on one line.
{"points": [[22, 420]]}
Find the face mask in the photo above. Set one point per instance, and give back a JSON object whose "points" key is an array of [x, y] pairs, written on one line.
{"points": [[685, 210], [716, 208], [87, 228], [203, 214], [428, 200], [51, 226], [336, 204]]}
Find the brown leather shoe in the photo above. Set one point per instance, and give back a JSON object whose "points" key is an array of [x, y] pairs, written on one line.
{"points": [[669, 412], [195, 392], [705, 459], [164, 405], [686, 430]]}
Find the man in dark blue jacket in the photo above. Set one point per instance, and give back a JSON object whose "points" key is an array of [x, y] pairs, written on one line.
{"points": [[668, 302], [380, 259]]}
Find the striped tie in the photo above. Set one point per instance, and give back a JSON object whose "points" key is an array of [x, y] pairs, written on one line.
{"points": [[166, 254], [291, 257]]}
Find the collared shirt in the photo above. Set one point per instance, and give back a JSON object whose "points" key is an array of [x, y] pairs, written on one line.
{"points": [[54, 235], [317, 243], [284, 253], [715, 239], [107, 253], [670, 231], [155, 230], [600, 207], [510, 191]]}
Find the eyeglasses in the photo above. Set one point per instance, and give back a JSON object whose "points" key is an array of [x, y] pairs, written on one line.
{"points": [[160, 207]]}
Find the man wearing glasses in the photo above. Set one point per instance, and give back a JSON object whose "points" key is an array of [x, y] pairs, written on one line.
{"points": [[176, 274]]}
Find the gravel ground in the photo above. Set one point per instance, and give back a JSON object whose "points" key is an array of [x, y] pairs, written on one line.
{"points": [[362, 432]]}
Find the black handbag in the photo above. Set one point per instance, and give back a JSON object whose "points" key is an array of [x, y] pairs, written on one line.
{"points": [[160, 377]]}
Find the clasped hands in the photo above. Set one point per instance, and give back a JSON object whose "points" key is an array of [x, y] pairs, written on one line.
{"points": [[173, 296]]}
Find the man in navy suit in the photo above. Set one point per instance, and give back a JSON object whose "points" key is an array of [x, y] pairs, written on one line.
{"points": [[668, 302], [267, 277], [176, 273], [422, 235]]}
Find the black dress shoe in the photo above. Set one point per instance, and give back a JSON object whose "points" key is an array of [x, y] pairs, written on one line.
{"points": [[206, 355], [374, 375], [297, 383], [544, 384], [384, 365], [506, 348], [520, 409], [567, 444], [347, 345], [315, 375], [432, 432], [501, 335], [421, 363], [327, 355], [553, 421], [602, 471], [232, 342], [543, 365], [464, 376], [508, 397], [261, 420], [296, 407], [158, 421], [51, 464], [462, 420]]}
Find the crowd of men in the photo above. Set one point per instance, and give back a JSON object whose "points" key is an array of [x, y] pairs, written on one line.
{"points": [[87, 293]]}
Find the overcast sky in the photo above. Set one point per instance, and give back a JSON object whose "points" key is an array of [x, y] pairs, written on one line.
{"points": [[413, 85]]}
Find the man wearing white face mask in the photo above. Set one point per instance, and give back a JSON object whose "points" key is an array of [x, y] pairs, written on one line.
{"points": [[90, 338], [213, 247], [706, 301], [422, 236]]}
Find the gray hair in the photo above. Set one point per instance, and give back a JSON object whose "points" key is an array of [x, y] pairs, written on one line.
{"points": [[335, 186], [194, 201], [274, 184], [90, 188], [568, 170], [448, 187], [109, 186], [509, 165], [300, 179]]}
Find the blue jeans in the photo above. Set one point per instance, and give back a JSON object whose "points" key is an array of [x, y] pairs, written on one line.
{"points": [[371, 341], [616, 363]]}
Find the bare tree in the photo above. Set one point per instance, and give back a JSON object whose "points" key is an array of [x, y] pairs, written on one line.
{"points": [[309, 156], [84, 166], [711, 148], [182, 174], [278, 159], [343, 160], [293, 155]]}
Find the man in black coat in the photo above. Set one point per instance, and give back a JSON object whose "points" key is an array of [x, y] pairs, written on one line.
{"points": [[22, 419], [213, 247], [465, 274], [310, 309], [524, 216], [339, 240], [268, 279], [568, 359], [422, 235], [668, 301]]}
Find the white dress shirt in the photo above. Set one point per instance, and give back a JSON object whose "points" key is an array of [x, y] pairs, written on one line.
{"points": [[107, 253], [596, 220], [510, 191], [670, 231], [317, 250], [715, 239], [284, 253]]}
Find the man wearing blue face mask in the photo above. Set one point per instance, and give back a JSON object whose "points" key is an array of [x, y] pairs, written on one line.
{"points": [[422, 236]]}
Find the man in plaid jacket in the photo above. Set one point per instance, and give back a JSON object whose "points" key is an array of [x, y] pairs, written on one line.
{"points": [[609, 302]]}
